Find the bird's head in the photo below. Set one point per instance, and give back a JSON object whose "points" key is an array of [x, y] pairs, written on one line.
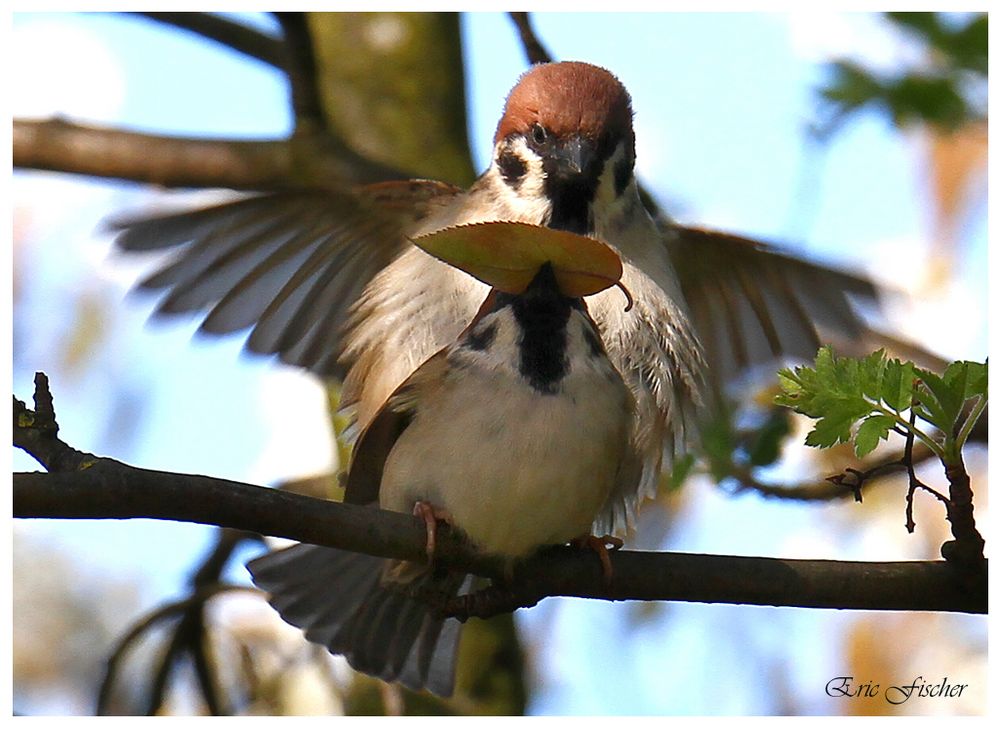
{"points": [[566, 134]]}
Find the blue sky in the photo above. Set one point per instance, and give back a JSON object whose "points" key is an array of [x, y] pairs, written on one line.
{"points": [[721, 101]]}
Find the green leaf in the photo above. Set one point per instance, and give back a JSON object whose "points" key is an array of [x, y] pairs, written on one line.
{"points": [[833, 392], [969, 46], [929, 99], [872, 430], [943, 400], [897, 385], [797, 390], [978, 381], [830, 430], [871, 372], [926, 24], [766, 447], [851, 86], [840, 391], [681, 468], [955, 375], [968, 378]]}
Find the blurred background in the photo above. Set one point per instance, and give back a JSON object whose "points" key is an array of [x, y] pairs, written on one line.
{"points": [[734, 131]]}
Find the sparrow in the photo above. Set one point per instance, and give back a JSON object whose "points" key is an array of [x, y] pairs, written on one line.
{"points": [[330, 280], [516, 433]]}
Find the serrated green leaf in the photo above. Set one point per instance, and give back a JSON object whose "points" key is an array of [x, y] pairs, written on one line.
{"points": [[790, 387], [897, 384], [929, 410], [979, 373], [789, 381], [921, 411], [870, 432], [956, 376], [943, 400], [838, 376], [825, 363], [798, 389], [830, 430], [871, 372]]}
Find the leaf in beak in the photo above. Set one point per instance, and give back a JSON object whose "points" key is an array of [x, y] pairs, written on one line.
{"points": [[507, 255]]}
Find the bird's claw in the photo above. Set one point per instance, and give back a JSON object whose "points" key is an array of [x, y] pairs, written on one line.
{"points": [[600, 545], [431, 516]]}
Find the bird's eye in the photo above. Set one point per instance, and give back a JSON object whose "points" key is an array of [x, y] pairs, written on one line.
{"points": [[538, 134]]}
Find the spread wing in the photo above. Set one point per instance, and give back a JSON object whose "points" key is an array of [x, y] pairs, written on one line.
{"points": [[751, 304], [287, 264]]}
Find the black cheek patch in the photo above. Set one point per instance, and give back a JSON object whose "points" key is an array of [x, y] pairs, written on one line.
{"points": [[481, 338], [594, 343], [512, 168], [623, 174]]}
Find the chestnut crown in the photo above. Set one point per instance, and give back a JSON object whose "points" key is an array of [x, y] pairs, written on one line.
{"points": [[570, 98]]}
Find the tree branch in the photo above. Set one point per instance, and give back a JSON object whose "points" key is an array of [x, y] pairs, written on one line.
{"points": [[112, 668], [533, 48], [236, 36], [829, 489], [299, 63], [109, 489], [101, 488], [966, 549], [307, 161], [36, 432]]}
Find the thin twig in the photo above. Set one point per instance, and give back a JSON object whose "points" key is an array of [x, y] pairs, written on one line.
{"points": [[831, 488], [914, 482], [533, 48], [187, 632], [146, 624], [239, 37], [36, 431]]}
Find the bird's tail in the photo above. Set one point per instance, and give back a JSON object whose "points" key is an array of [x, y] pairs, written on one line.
{"points": [[340, 600]]}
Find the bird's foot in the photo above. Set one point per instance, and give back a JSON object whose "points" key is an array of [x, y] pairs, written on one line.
{"points": [[431, 516], [600, 545]]}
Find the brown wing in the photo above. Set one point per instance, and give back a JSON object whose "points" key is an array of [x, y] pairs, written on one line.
{"points": [[364, 479], [751, 304], [287, 264]]}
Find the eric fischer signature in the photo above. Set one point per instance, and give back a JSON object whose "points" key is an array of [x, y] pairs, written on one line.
{"points": [[845, 687]]}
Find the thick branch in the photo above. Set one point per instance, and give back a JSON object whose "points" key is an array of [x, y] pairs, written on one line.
{"points": [[236, 36], [88, 487], [967, 547], [184, 162], [109, 489]]}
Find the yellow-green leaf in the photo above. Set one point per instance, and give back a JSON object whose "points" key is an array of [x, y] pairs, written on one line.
{"points": [[507, 256]]}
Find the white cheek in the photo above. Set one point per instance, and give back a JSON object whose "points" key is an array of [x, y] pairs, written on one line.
{"points": [[606, 195], [527, 201]]}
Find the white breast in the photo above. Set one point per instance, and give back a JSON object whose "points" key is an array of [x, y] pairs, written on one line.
{"points": [[517, 469]]}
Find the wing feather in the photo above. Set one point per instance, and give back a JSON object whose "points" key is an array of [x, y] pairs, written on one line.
{"points": [[288, 264]]}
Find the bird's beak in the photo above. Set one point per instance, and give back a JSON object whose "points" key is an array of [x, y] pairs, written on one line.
{"points": [[573, 157]]}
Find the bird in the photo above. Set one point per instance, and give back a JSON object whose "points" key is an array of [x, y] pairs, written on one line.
{"points": [[329, 279], [515, 434]]}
